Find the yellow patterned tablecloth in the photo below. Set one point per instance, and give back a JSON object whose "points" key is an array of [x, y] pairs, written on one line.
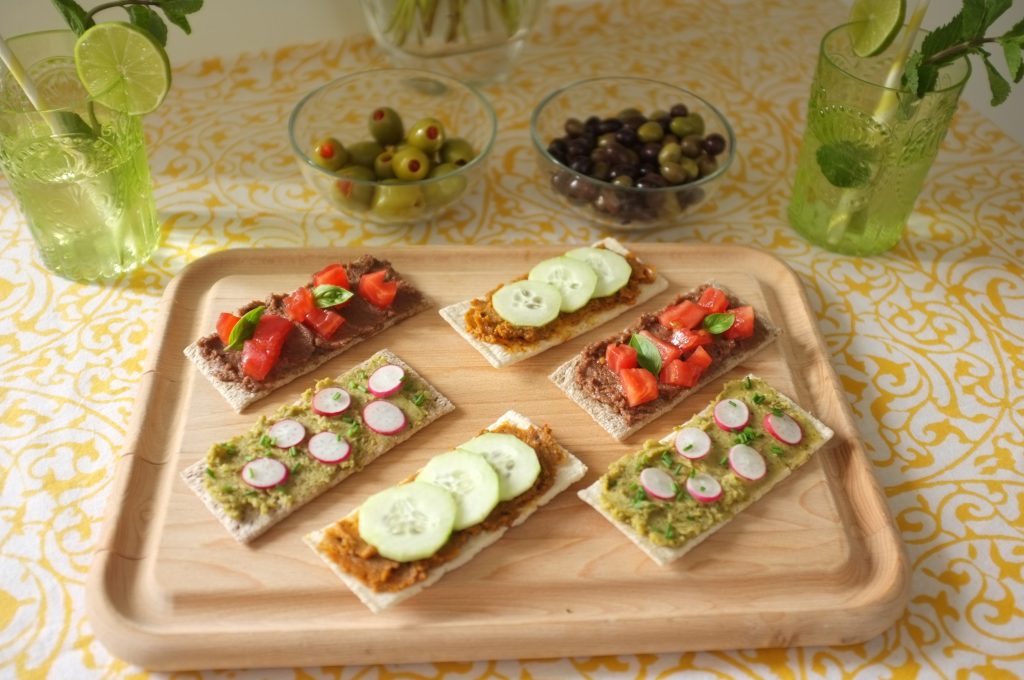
{"points": [[928, 340]]}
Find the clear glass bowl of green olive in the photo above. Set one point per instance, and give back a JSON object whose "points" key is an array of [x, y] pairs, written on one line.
{"points": [[630, 153], [393, 145]]}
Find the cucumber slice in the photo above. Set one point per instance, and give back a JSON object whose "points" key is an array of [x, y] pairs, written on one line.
{"points": [[613, 270], [527, 303], [409, 521], [514, 460], [574, 279], [469, 479]]}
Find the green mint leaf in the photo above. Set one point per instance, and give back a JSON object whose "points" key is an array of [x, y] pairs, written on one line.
{"points": [[943, 37], [993, 10], [927, 77], [1016, 32], [1014, 63], [997, 83], [846, 164], [244, 328], [180, 6], [149, 21], [718, 323], [647, 354], [973, 21], [909, 79], [75, 17], [328, 296]]}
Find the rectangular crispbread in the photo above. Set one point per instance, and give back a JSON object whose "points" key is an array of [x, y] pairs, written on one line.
{"points": [[254, 523], [500, 356], [664, 555], [613, 422], [571, 471]]}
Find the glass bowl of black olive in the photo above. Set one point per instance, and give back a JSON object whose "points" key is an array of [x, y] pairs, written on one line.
{"points": [[393, 145], [631, 153]]}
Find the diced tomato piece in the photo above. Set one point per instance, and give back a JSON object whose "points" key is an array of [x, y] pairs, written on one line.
{"points": [[743, 326], [686, 314], [639, 385], [620, 356], [667, 350], [225, 322], [325, 322], [688, 340], [299, 303], [700, 358], [256, 361], [715, 301], [375, 290], [332, 275], [680, 373], [271, 331]]}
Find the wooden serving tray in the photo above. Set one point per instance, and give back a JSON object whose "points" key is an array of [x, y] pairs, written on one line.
{"points": [[817, 561]]}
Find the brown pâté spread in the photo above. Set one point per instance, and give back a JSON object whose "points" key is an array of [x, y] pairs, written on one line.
{"points": [[485, 324], [342, 543], [595, 378]]}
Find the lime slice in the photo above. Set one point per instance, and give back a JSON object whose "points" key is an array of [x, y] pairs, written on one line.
{"points": [[123, 67], [876, 24]]}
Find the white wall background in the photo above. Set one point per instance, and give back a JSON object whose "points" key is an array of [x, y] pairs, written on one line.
{"points": [[227, 27]]}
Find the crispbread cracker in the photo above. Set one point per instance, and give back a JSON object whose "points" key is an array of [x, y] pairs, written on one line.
{"points": [[613, 422], [500, 356], [664, 555], [569, 473], [253, 523]]}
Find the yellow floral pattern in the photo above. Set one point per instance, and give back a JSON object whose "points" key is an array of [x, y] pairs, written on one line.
{"points": [[928, 340]]}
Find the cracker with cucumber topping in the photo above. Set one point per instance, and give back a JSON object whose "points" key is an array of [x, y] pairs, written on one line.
{"points": [[406, 537], [559, 299], [674, 493], [336, 428]]}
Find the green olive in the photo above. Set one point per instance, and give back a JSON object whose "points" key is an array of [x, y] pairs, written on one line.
{"points": [[444, 191], [457, 150], [630, 113], [673, 172], [658, 114], [697, 121], [427, 135], [329, 153], [382, 166], [690, 145], [623, 181], [352, 195], [706, 165], [409, 163], [605, 139], [681, 126], [670, 153], [398, 201], [690, 167], [386, 126], [651, 131], [364, 153]]}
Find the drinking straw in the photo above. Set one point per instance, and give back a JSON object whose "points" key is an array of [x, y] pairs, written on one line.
{"points": [[887, 107], [28, 86]]}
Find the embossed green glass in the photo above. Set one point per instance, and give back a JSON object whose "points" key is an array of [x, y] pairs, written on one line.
{"points": [[861, 167]]}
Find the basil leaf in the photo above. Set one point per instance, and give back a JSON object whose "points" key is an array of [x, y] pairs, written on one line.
{"points": [[328, 296], [244, 328], [647, 354], [719, 323]]}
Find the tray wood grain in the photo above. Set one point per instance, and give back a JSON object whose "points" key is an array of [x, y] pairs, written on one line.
{"points": [[817, 561]]}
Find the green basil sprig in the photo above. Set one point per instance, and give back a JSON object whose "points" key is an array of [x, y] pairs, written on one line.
{"points": [[328, 296], [647, 354], [719, 323], [244, 327]]}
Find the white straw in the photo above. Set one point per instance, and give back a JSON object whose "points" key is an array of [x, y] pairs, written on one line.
{"points": [[28, 86]]}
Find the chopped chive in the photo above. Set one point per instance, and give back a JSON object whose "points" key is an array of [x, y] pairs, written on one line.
{"points": [[724, 461], [687, 447], [293, 452], [747, 383], [419, 398], [210, 473], [267, 440], [758, 398], [777, 412], [776, 449]]}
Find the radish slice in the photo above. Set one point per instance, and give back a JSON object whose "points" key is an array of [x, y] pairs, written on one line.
{"points": [[264, 473], [383, 417], [658, 484], [732, 415], [386, 380], [783, 428], [692, 443], [704, 487], [747, 462], [331, 401], [287, 433], [329, 447]]}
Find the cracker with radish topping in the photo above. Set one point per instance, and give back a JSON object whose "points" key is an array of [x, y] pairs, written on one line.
{"points": [[333, 430], [673, 494]]}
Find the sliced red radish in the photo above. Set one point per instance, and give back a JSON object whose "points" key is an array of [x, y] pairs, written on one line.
{"points": [[732, 415], [658, 484], [383, 417], [287, 433], [331, 401], [704, 487], [692, 443], [329, 447], [783, 428], [386, 380], [746, 462], [264, 473]]}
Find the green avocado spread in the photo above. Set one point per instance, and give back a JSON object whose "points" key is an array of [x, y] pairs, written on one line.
{"points": [[673, 522], [308, 476]]}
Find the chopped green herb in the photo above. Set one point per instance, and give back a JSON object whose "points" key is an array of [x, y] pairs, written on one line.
{"points": [[687, 447], [251, 492], [732, 402], [227, 488], [747, 383], [748, 435], [693, 472], [293, 452], [353, 429], [419, 398], [669, 532], [251, 473], [336, 396], [210, 473], [758, 398], [776, 449], [295, 468], [724, 461], [266, 440], [666, 460], [777, 412]]}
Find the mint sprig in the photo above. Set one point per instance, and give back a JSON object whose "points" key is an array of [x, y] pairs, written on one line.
{"points": [[140, 14]]}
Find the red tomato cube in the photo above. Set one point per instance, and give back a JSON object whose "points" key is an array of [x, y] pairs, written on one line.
{"points": [[299, 303], [325, 322], [684, 315], [620, 356], [225, 322], [256, 362], [667, 350], [271, 331], [715, 301], [743, 326], [680, 373], [700, 358], [375, 290], [688, 340], [639, 385], [332, 275]]}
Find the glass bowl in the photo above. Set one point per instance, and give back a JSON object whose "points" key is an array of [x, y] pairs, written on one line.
{"points": [[575, 163], [342, 108]]}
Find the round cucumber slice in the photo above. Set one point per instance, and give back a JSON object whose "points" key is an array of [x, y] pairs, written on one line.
{"points": [[408, 522], [469, 479], [514, 460], [613, 270], [574, 279], [527, 303]]}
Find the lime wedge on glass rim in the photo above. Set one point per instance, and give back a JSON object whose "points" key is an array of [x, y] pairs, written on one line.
{"points": [[876, 23], [123, 67]]}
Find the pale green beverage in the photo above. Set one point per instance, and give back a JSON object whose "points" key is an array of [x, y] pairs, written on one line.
{"points": [[79, 171], [859, 172]]}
